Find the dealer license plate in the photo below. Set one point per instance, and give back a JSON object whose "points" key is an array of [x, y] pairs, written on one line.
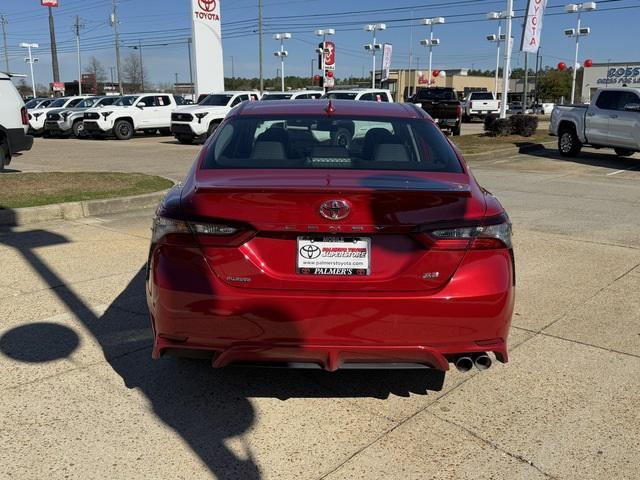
{"points": [[334, 256]]}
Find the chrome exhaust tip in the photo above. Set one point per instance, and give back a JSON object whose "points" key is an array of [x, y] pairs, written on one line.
{"points": [[464, 364], [482, 362]]}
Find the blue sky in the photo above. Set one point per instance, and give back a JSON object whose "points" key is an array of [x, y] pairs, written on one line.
{"points": [[463, 44]]}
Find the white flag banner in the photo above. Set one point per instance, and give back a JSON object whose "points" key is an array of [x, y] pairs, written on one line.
{"points": [[533, 26], [207, 46], [386, 61]]}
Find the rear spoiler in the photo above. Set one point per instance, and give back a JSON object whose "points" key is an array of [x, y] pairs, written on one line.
{"points": [[14, 75]]}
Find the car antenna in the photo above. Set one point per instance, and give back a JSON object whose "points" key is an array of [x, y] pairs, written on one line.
{"points": [[330, 108]]}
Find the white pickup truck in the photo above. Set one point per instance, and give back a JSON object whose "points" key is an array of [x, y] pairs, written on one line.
{"points": [[148, 112], [479, 105], [198, 122], [612, 120]]}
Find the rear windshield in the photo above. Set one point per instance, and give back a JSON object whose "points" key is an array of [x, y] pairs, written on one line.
{"points": [[341, 95], [277, 96], [482, 96], [435, 94], [352, 143], [217, 100]]}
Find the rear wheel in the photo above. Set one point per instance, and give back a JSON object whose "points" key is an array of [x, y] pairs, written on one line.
{"points": [[78, 128], [623, 152], [185, 139], [455, 131], [123, 130], [569, 145], [342, 138]]}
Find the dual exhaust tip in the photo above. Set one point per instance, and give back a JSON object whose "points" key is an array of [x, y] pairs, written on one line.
{"points": [[481, 362]]}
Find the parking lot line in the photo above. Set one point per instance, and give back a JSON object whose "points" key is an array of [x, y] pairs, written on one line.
{"points": [[623, 170]]}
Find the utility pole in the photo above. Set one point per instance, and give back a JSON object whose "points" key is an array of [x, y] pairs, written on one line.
{"points": [[4, 22], [54, 48], [114, 23], [193, 87], [111, 69], [260, 44], [76, 28], [141, 66]]}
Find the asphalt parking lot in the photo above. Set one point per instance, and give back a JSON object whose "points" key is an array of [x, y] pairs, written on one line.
{"points": [[82, 398]]}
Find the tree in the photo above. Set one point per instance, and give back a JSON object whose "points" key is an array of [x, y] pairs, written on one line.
{"points": [[554, 84], [133, 73], [24, 88], [95, 68]]}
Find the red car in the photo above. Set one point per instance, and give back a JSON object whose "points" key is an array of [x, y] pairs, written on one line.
{"points": [[331, 234]]}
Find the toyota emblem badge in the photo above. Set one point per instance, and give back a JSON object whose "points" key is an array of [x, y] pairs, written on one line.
{"points": [[335, 210]]}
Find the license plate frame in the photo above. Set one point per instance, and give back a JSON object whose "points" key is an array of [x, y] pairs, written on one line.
{"points": [[336, 256]]}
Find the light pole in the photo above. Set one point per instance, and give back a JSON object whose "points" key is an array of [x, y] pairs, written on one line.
{"points": [[373, 47], [139, 48], [506, 71], [431, 42], [282, 53], [30, 60], [322, 50], [499, 38], [577, 32]]}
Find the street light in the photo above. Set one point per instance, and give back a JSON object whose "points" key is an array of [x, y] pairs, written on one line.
{"points": [[30, 60], [139, 48], [282, 53], [322, 50], [498, 39], [372, 47], [431, 42], [577, 33], [506, 71]]}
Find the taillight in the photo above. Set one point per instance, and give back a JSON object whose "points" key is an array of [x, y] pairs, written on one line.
{"points": [[459, 110], [481, 237], [25, 116], [169, 231]]}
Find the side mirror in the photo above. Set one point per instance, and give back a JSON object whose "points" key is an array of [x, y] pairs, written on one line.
{"points": [[632, 107], [140, 106]]}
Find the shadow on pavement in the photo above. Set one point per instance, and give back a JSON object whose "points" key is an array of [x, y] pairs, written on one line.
{"points": [[591, 158], [203, 405]]}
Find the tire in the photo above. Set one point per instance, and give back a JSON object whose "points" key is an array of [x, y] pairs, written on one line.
{"points": [[569, 145], [466, 119], [4, 156], [213, 126], [342, 138], [185, 139], [77, 129], [455, 131], [623, 152], [123, 130]]}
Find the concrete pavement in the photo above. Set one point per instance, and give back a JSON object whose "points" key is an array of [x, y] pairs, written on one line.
{"points": [[82, 399]]}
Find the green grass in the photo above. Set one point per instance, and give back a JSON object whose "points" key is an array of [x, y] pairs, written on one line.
{"points": [[19, 190], [469, 144]]}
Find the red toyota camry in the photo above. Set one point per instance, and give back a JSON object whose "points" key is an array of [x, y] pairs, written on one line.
{"points": [[332, 235]]}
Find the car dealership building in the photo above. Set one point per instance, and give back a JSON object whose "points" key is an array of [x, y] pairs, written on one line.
{"points": [[612, 74]]}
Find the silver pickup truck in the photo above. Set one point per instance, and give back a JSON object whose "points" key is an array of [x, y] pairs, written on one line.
{"points": [[612, 120]]}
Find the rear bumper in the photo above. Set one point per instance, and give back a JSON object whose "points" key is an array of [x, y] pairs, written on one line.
{"points": [[192, 309], [17, 140]]}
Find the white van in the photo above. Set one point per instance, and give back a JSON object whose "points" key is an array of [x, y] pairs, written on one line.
{"points": [[13, 122]]}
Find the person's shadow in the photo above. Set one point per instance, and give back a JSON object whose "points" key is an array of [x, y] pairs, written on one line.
{"points": [[204, 406]]}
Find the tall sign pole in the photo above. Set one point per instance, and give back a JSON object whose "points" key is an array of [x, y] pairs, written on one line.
{"points": [[114, 23], [207, 46], [50, 4], [4, 22]]}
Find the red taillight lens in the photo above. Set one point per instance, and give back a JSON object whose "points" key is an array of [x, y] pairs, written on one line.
{"points": [[181, 233], [477, 237], [25, 116], [459, 110]]}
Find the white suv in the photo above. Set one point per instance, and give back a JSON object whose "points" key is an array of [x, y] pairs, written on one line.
{"points": [[146, 112], [200, 121], [38, 116], [293, 95], [361, 94], [13, 122]]}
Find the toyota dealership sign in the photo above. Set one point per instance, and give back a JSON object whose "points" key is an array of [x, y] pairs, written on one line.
{"points": [[207, 46]]}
